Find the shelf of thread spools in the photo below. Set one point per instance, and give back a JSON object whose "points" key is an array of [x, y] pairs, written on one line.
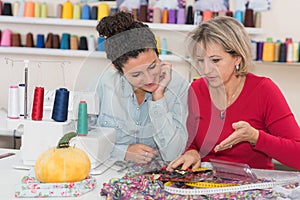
{"points": [[276, 52]]}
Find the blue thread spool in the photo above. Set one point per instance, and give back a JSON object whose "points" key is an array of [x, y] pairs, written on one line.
{"points": [[86, 12], [239, 16], [60, 107], [65, 41], [164, 50], [40, 42], [82, 123], [101, 41], [94, 12]]}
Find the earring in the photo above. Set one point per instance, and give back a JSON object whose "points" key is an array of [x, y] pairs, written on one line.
{"points": [[237, 67]]}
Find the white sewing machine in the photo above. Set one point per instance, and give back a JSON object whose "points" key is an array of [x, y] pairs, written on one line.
{"points": [[38, 136]]}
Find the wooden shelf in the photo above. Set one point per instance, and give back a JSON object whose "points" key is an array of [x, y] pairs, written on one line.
{"points": [[93, 23]]}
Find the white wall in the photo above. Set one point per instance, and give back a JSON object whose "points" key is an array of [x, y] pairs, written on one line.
{"points": [[279, 23]]}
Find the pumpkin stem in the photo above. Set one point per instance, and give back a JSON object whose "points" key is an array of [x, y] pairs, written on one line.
{"points": [[64, 141]]}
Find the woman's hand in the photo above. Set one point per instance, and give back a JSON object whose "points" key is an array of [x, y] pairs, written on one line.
{"points": [[140, 153], [189, 158], [243, 132], [165, 78]]}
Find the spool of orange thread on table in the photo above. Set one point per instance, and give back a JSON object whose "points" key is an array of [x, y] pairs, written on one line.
{"points": [[29, 9], [103, 10], [67, 10], [165, 16], [268, 51]]}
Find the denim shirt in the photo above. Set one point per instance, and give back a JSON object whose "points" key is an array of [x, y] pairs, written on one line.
{"points": [[159, 124]]}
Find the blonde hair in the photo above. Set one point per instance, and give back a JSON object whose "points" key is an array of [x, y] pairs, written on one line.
{"points": [[229, 34]]}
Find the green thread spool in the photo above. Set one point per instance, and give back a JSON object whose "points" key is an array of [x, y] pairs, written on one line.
{"points": [[82, 124]]}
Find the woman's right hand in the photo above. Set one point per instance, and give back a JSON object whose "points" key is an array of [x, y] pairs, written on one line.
{"points": [[140, 153], [189, 158]]}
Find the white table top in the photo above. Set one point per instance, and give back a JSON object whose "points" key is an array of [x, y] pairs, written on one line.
{"points": [[10, 176]]}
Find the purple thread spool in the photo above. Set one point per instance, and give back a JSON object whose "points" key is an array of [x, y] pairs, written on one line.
{"points": [[172, 16], [259, 50], [181, 16]]}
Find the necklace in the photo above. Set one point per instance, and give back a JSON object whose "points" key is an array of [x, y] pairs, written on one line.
{"points": [[230, 100]]}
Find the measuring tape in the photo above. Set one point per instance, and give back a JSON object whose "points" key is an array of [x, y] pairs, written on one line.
{"points": [[209, 184], [222, 189]]}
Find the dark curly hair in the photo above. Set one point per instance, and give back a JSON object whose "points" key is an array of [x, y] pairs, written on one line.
{"points": [[136, 38]]}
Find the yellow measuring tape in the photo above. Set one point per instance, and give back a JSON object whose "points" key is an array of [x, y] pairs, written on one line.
{"points": [[204, 184]]}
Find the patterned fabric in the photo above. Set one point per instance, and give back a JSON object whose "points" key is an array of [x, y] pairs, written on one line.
{"points": [[31, 187]]}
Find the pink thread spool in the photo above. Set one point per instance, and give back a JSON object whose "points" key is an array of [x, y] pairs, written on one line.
{"points": [[6, 38], [206, 15]]}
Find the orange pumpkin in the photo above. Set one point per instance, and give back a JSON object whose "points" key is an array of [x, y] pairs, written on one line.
{"points": [[62, 163]]}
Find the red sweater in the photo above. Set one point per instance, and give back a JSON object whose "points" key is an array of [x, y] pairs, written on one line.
{"points": [[263, 106]]}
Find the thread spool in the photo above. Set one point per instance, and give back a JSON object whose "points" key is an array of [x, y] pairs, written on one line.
{"points": [[259, 50], [157, 16], [268, 50], [214, 14], [289, 51], [16, 40], [6, 38], [134, 12], [37, 9], [277, 50], [83, 43], [165, 16], [59, 10], [253, 50], [67, 10], [74, 42], [29, 40], [65, 41], [40, 41], [16, 6], [77, 11], [91, 43], [82, 123], [197, 17], [113, 11], [257, 19], [60, 107], [150, 14], [164, 47], [22, 99], [282, 54], [143, 13], [44, 10], [7, 9], [172, 16], [49, 41], [103, 10], [1, 7], [86, 12], [295, 51], [222, 13], [189, 17], [206, 15], [158, 44], [21, 9], [38, 104], [181, 16], [56, 41], [13, 110], [29, 9], [249, 18], [239, 16], [94, 13], [101, 42]]}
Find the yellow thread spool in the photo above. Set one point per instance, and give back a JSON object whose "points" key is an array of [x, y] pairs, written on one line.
{"points": [[103, 10], [44, 10], [37, 10], [277, 50], [158, 45], [67, 11], [77, 11], [268, 50], [295, 51]]}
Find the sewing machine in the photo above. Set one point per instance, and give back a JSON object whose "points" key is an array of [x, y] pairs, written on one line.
{"points": [[38, 136]]}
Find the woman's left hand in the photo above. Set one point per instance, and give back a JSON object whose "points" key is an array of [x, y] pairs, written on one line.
{"points": [[243, 132], [165, 78]]}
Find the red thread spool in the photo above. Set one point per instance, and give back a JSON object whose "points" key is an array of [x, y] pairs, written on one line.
{"points": [[38, 104]]}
